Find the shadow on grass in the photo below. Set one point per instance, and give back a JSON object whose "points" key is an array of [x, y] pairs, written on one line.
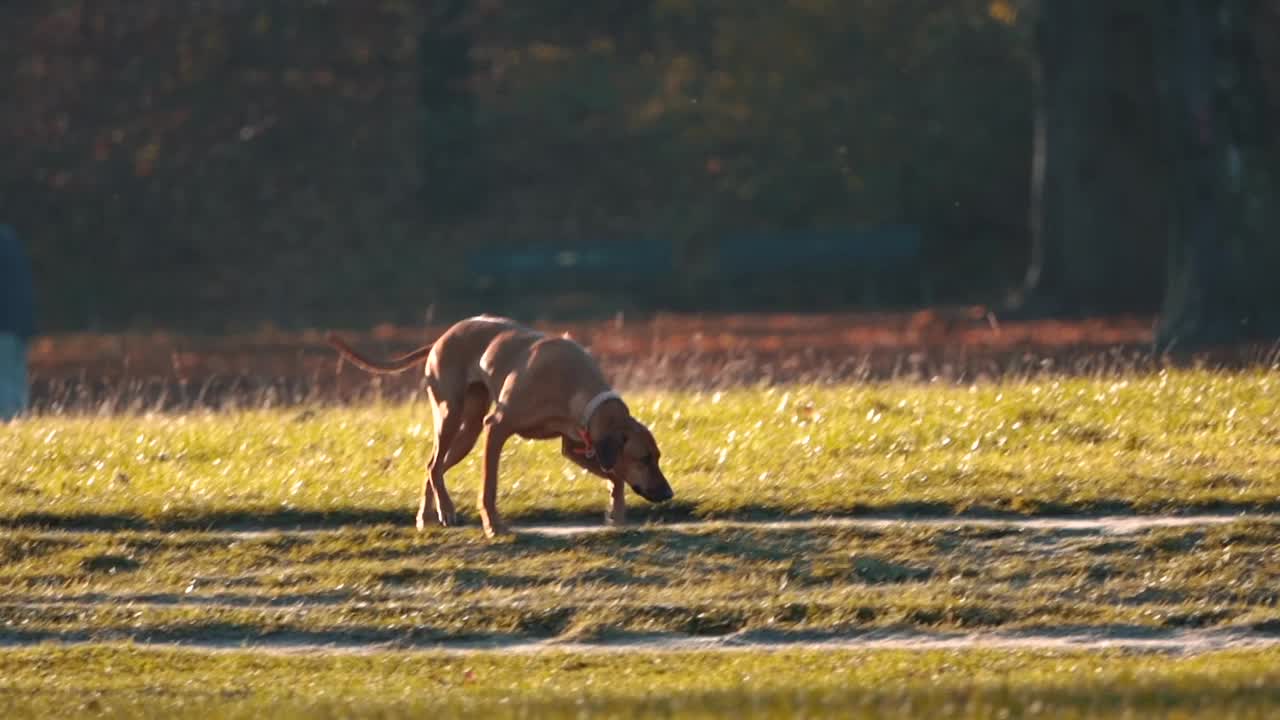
{"points": [[231, 636], [269, 519], [1090, 699]]}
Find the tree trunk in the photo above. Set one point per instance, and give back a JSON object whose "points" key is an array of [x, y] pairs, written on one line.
{"points": [[1222, 168], [1095, 210]]}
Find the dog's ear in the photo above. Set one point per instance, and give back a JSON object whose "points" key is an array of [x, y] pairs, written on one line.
{"points": [[609, 449]]}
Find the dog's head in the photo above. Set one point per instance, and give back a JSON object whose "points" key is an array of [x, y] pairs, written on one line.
{"points": [[629, 453]]}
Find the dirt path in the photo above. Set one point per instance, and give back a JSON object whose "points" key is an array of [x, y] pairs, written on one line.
{"points": [[1051, 638], [1048, 638], [1120, 524], [1102, 525]]}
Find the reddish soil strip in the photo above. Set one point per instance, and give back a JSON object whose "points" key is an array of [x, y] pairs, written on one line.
{"points": [[141, 371]]}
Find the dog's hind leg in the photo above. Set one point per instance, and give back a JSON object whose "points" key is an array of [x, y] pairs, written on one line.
{"points": [[473, 410], [447, 411]]}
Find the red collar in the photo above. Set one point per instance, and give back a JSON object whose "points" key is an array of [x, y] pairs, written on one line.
{"points": [[588, 448]]}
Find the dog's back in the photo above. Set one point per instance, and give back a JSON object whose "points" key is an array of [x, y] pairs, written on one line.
{"points": [[484, 349], [489, 348], [477, 344]]}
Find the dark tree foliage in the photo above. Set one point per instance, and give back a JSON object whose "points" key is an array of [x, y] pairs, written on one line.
{"points": [[453, 173], [221, 164]]}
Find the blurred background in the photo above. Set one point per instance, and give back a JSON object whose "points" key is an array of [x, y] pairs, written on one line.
{"points": [[223, 165]]}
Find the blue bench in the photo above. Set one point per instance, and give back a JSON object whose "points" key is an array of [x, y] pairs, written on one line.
{"points": [[804, 268], [885, 246], [17, 298], [823, 266], [601, 267]]}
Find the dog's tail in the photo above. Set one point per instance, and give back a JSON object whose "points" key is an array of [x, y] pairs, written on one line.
{"points": [[400, 364]]}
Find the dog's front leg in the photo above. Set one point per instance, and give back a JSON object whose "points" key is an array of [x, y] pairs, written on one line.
{"points": [[618, 507], [576, 453], [487, 501]]}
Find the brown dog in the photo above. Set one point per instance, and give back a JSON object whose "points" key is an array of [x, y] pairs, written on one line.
{"points": [[540, 387]]}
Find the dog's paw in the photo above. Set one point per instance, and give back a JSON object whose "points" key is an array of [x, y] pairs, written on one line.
{"points": [[495, 530], [443, 520]]}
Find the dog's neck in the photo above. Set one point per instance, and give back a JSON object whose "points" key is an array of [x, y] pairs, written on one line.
{"points": [[608, 415], [589, 410]]}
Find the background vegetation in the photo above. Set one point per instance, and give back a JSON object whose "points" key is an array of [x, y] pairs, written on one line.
{"points": [[224, 164]]}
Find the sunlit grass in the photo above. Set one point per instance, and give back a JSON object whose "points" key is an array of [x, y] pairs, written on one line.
{"points": [[127, 682], [1177, 440], [171, 485]]}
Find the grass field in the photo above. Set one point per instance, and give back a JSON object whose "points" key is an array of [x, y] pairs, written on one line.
{"points": [[1174, 441], [124, 682], [264, 562]]}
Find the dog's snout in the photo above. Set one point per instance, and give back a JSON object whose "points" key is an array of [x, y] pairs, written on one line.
{"points": [[655, 492]]}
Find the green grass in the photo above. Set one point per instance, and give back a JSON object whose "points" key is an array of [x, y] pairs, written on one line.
{"points": [[127, 682], [1175, 441], [124, 528]]}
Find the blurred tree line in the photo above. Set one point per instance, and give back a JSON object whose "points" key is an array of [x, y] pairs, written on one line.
{"points": [[1155, 158], [227, 162], [223, 163]]}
